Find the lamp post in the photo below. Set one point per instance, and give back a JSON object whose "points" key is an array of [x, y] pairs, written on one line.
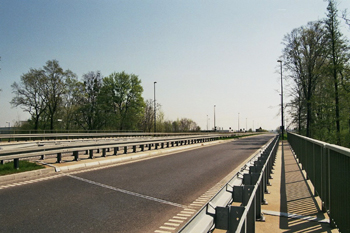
{"points": [[214, 119], [238, 123], [207, 122], [155, 109], [282, 124]]}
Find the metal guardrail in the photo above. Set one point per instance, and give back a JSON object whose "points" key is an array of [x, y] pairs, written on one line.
{"points": [[6, 136], [75, 135], [90, 147], [328, 168], [246, 189]]}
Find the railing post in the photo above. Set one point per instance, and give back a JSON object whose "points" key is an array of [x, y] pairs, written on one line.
{"points": [[16, 163], [76, 155], [115, 150], [59, 157]]}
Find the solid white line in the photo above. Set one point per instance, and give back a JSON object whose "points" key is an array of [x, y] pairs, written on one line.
{"points": [[127, 192]]}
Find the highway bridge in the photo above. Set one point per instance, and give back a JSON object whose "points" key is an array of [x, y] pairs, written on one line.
{"points": [[156, 194], [178, 184]]}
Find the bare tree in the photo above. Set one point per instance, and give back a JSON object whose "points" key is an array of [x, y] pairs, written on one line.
{"points": [[304, 58], [29, 94]]}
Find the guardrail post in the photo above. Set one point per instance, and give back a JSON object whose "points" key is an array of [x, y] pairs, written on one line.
{"points": [[142, 147], [228, 218], [2, 162], [16, 163], [134, 149], [91, 154], [235, 216], [76, 155], [103, 152], [250, 221], [42, 157], [162, 145], [115, 150], [149, 146], [167, 144], [59, 157], [156, 146], [125, 149], [222, 217]]}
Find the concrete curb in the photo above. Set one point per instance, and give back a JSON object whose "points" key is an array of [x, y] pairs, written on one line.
{"points": [[6, 179]]}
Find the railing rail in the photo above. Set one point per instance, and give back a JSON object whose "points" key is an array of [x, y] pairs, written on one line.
{"points": [[328, 168], [247, 187]]}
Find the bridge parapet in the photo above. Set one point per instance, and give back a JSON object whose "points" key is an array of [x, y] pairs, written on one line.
{"points": [[328, 168]]}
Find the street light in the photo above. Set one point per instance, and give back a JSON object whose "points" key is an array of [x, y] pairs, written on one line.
{"points": [[155, 109], [207, 122], [282, 125], [238, 123], [214, 119]]}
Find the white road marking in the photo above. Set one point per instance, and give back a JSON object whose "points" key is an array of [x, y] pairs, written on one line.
{"points": [[127, 192]]}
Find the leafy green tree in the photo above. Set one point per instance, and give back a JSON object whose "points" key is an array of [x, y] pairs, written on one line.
{"points": [[123, 94], [338, 56], [73, 94], [89, 114], [54, 88]]}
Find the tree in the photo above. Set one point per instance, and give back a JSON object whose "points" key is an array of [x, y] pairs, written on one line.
{"points": [[338, 51], [123, 94], [304, 59], [73, 94], [89, 114], [30, 94]]}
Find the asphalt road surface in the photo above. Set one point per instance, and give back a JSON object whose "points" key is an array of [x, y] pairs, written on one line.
{"points": [[135, 197]]}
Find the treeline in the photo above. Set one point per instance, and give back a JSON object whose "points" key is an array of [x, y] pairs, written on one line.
{"points": [[56, 99], [316, 59]]}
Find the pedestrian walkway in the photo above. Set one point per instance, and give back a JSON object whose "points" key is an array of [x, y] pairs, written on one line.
{"points": [[292, 205]]}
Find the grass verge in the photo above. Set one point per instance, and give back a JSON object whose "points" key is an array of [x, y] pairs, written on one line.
{"points": [[8, 168]]}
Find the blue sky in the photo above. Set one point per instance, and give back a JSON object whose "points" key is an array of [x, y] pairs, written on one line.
{"points": [[201, 53]]}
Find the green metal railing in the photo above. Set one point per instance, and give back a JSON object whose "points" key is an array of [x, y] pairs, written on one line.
{"points": [[328, 168]]}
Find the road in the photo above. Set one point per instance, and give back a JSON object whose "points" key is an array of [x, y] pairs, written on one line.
{"points": [[135, 197]]}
